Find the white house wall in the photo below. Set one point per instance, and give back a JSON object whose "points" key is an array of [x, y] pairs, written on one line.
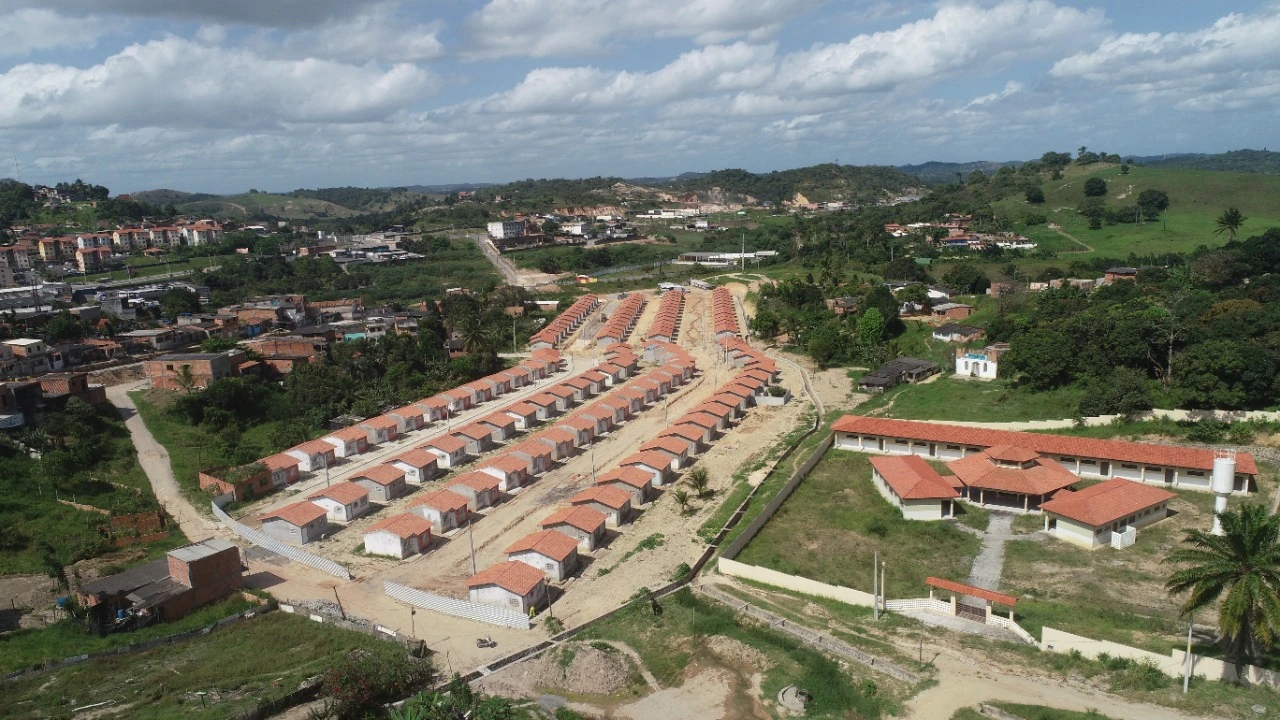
{"points": [[385, 543], [551, 568]]}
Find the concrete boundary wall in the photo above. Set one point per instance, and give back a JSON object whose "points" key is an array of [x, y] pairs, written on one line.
{"points": [[1173, 664], [457, 608], [733, 568]]}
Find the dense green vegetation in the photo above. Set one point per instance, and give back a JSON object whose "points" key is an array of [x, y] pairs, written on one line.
{"points": [[818, 183], [451, 264], [86, 457], [1241, 161], [355, 198]]}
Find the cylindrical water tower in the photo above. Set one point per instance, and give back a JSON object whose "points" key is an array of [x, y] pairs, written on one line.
{"points": [[1223, 482]]}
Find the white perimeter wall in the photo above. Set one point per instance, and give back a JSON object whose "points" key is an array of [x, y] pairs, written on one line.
{"points": [[793, 582]]}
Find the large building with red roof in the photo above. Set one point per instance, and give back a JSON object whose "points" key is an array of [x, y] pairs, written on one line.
{"points": [[1091, 516], [910, 484], [1168, 466]]}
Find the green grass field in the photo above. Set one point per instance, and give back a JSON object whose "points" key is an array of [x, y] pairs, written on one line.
{"points": [[1031, 712], [948, 398], [833, 522], [1196, 199], [144, 266], [254, 660]]}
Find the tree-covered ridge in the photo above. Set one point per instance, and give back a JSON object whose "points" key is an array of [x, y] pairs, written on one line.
{"points": [[165, 196], [1263, 162], [358, 198], [819, 183]]}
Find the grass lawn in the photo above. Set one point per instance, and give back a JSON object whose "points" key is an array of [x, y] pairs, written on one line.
{"points": [[238, 666], [948, 398], [1107, 594], [830, 526], [672, 642], [144, 266], [1196, 199], [1031, 712], [25, 648]]}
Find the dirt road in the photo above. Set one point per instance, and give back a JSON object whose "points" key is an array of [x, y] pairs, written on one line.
{"points": [[154, 460], [964, 683]]}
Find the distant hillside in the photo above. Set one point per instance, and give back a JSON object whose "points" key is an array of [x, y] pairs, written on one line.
{"points": [[444, 189], [818, 183], [363, 199], [164, 197], [265, 206], [1264, 162], [938, 173]]}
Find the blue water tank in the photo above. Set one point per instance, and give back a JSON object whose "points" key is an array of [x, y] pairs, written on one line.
{"points": [[120, 614], [63, 601]]}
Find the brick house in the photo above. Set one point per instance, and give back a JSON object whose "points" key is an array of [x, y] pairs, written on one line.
{"points": [[167, 371]]}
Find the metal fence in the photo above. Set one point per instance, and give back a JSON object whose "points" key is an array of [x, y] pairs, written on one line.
{"points": [[457, 608], [270, 544]]}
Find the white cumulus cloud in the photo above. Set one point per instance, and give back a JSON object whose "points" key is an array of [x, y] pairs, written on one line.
{"points": [[27, 30]]}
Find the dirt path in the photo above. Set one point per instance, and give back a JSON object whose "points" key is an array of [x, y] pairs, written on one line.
{"points": [[1078, 241], [154, 460], [965, 683]]}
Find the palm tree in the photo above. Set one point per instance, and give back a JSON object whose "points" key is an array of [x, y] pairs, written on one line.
{"points": [[476, 338], [1240, 567], [1230, 221], [682, 499], [699, 481]]}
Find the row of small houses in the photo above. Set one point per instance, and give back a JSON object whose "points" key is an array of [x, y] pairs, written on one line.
{"points": [[446, 508], [665, 326], [552, 552], [622, 322], [564, 324], [724, 314], [284, 468], [449, 507]]}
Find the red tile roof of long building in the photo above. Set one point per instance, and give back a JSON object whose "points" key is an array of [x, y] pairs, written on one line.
{"points": [[1106, 502], [1062, 445], [912, 478]]}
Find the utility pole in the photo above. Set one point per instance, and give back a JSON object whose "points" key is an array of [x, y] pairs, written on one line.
{"points": [[593, 462], [1186, 676], [471, 539], [875, 587]]}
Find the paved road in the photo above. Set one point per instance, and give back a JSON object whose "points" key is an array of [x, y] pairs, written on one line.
{"points": [[154, 460]]}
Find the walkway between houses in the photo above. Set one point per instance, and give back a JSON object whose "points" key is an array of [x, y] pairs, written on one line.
{"points": [[989, 564], [154, 460]]}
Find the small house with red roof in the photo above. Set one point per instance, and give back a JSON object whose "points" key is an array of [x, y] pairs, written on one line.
{"points": [[524, 414], [511, 471], [433, 408], [552, 552], [692, 435], [480, 489], [478, 438], [677, 448], [614, 502], [284, 469], [409, 418], [398, 536], [560, 441], [513, 585], [658, 464], [451, 451], [381, 429], [348, 442], [585, 525], [504, 426], [911, 484], [566, 397], [343, 502], [314, 455], [296, 524], [1092, 516], [418, 465], [445, 510], [547, 406], [384, 482], [539, 456], [638, 483]]}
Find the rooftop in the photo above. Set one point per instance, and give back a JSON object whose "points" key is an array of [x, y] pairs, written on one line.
{"points": [[443, 500], [607, 495], [203, 549], [405, 525], [343, 492], [512, 576], [914, 479], [550, 543], [635, 477], [299, 513], [576, 516], [381, 474], [1106, 502]]}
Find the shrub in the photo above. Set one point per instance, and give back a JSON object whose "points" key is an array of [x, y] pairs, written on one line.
{"points": [[1208, 430], [682, 571], [777, 391], [362, 680]]}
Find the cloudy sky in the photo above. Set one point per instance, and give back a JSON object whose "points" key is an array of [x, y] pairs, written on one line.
{"points": [[225, 95]]}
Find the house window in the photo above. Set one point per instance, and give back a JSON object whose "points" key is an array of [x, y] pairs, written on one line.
{"points": [[1129, 467], [1195, 473]]}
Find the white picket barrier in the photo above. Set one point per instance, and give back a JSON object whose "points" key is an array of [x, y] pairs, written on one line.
{"points": [[271, 544], [457, 608]]}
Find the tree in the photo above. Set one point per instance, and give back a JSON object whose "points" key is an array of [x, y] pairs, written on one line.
{"points": [[1035, 195], [1152, 202], [1039, 355], [184, 379], [870, 327], [550, 227], [177, 301], [700, 481], [1230, 221], [1095, 187], [1224, 374], [682, 499], [218, 345], [967, 278], [64, 326], [1242, 568]]}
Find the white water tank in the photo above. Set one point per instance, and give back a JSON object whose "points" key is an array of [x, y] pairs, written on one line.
{"points": [[1223, 482]]}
